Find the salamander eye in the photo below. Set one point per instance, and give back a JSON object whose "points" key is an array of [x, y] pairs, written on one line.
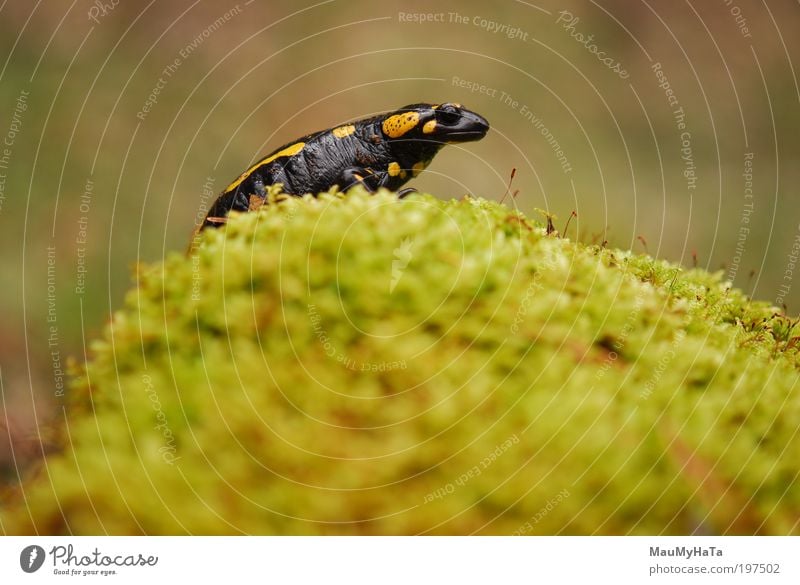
{"points": [[448, 114]]}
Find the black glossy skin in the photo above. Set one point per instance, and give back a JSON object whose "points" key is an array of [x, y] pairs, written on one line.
{"points": [[412, 136]]}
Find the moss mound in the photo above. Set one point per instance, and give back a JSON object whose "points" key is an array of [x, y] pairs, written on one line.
{"points": [[360, 365]]}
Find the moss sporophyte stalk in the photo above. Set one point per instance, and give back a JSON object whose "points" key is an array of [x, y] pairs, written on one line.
{"points": [[228, 396]]}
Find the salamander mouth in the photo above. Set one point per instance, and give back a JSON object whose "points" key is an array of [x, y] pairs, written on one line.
{"points": [[467, 135], [470, 127]]}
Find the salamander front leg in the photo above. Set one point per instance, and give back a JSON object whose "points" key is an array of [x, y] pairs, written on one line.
{"points": [[365, 177], [407, 191]]}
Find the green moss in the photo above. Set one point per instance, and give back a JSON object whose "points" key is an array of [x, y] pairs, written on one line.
{"points": [[362, 365]]}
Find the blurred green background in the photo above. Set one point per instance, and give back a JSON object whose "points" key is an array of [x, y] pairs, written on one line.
{"points": [[97, 175]]}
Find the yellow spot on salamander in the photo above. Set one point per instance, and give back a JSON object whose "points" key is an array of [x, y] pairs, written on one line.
{"points": [[418, 167], [397, 125], [394, 169], [343, 131], [429, 127], [255, 202], [288, 151]]}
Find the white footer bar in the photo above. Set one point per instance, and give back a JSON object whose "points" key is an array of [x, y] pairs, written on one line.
{"points": [[400, 560]]}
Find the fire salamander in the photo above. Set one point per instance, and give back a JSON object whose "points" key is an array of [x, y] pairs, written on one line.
{"points": [[383, 151]]}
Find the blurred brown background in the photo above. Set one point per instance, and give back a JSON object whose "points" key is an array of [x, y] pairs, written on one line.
{"points": [[96, 175]]}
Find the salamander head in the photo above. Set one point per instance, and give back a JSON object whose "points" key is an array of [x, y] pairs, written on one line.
{"points": [[438, 123]]}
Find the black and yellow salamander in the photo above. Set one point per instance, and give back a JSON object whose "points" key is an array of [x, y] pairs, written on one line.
{"points": [[382, 151]]}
